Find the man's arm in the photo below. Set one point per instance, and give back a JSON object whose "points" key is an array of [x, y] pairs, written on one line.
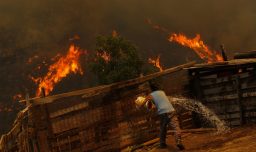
{"points": [[147, 100]]}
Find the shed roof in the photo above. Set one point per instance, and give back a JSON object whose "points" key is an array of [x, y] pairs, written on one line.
{"points": [[233, 62]]}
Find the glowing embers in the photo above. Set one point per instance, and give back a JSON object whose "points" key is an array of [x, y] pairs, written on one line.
{"points": [[198, 46], [59, 70], [104, 55]]}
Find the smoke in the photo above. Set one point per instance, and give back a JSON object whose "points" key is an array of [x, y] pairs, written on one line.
{"points": [[43, 28]]}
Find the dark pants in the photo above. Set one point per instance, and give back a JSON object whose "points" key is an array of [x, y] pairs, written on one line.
{"points": [[165, 119]]}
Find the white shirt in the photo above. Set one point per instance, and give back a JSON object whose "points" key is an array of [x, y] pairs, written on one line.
{"points": [[162, 102]]}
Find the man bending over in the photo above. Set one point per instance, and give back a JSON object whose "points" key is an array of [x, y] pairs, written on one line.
{"points": [[167, 114]]}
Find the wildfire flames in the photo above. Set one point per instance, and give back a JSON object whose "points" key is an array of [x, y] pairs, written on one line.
{"points": [[156, 63], [114, 33], [195, 44], [198, 46], [60, 69]]}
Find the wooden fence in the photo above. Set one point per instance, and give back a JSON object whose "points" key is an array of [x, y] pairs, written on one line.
{"points": [[103, 118]]}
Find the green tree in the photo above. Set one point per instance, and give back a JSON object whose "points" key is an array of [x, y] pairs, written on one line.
{"points": [[115, 59]]}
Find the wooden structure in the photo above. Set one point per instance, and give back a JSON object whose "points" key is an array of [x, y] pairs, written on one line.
{"points": [[228, 88], [104, 118]]}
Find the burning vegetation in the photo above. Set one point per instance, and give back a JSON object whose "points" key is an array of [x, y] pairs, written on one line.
{"points": [[59, 70], [197, 45], [156, 63], [105, 56]]}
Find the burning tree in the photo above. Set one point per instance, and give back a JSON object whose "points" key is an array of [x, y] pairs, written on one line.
{"points": [[115, 59]]}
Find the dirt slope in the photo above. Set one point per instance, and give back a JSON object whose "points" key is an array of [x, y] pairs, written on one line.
{"points": [[242, 139]]}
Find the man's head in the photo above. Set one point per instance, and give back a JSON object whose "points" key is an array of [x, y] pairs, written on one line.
{"points": [[154, 86]]}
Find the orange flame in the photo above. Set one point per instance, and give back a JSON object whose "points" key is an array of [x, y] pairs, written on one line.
{"points": [[198, 46], [59, 70], [114, 33], [104, 55], [156, 63]]}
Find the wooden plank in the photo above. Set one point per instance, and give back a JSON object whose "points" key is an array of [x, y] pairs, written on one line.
{"points": [[218, 98], [217, 85], [249, 94], [223, 102], [69, 109], [214, 80], [229, 109], [218, 90], [248, 89], [65, 141], [209, 76]]}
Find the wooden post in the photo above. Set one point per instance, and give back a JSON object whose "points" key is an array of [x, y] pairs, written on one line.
{"points": [[223, 53], [239, 99]]}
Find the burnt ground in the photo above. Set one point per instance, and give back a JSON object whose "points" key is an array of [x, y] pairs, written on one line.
{"points": [[241, 139]]}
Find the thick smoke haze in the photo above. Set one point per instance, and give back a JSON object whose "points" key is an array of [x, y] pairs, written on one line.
{"points": [[43, 28]]}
